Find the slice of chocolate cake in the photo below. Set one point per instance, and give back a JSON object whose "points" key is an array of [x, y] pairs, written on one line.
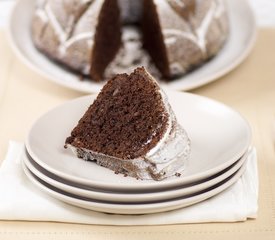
{"points": [[131, 129]]}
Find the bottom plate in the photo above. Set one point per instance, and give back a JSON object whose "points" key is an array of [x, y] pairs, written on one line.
{"points": [[126, 197], [133, 208]]}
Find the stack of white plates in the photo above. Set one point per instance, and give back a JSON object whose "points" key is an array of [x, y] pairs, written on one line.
{"points": [[220, 140]]}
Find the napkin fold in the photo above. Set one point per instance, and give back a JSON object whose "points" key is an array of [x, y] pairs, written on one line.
{"points": [[237, 203]]}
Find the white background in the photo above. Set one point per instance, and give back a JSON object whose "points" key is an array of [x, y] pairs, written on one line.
{"points": [[264, 11]]}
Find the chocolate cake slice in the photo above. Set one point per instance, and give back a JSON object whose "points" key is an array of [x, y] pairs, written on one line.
{"points": [[131, 129]]}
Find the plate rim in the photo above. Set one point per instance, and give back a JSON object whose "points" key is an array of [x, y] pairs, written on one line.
{"points": [[159, 184], [93, 89], [131, 208], [136, 197]]}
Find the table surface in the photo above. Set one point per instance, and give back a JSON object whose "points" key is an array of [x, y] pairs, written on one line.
{"points": [[250, 89]]}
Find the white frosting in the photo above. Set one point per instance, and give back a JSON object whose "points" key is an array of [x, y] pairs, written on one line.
{"points": [[73, 32], [180, 3], [170, 40], [198, 36], [150, 155], [42, 15], [171, 155], [170, 147], [176, 68], [56, 25], [85, 1], [203, 28], [86, 69], [40, 3], [76, 38], [71, 21], [82, 30], [220, 9], [191, 30], [187, 35]]}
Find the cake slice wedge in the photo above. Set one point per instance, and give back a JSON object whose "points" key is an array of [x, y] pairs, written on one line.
{"points": [[131, 129]]}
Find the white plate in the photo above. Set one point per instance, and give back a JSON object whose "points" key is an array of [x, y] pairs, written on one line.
{"points": [[242, 38], [219, 137], [133, 208], [114, 197]]}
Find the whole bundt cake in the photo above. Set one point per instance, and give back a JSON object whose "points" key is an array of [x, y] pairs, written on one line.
{"points": [[100, 38]]}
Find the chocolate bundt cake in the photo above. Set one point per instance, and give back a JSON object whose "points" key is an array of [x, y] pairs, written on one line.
{"points": [[131, 129], [174, 36]]}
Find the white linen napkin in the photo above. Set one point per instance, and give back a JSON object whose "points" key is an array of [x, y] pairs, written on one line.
{"points": [[237, 203]]}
